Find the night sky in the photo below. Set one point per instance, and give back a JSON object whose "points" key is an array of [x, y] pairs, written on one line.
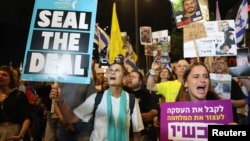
{"points": [[15, 16]]}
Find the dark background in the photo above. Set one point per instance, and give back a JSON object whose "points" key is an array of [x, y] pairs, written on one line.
{"points": [[15, 17]]}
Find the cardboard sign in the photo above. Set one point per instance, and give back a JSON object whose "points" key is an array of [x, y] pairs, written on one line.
{"points": [[194, 31], [60, 41], [213, 38]]}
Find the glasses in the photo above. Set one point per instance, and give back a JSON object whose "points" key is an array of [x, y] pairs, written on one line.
{"points": [[110, 71]]}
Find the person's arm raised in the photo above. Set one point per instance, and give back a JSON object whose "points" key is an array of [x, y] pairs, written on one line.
{"points": [[68, 114], [151, 78]]}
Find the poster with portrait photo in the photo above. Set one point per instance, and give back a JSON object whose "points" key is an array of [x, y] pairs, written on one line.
{"points": [[160, 43], [214, 42], [148, 50], [221, 84], [146, 35], [161, 46], [187, 11], [160, 51]]}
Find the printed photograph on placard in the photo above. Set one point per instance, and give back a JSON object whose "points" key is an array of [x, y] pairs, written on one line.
{"points": [[160, 48], [219, 39], [148, 50], [146, 35], [186, 12], [160, 43], [221, 84]]}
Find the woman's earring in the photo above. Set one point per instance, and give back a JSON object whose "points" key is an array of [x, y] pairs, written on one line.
{"points": [[186, 89]]}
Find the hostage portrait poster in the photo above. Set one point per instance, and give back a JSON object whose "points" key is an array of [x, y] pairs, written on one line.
{"points": [[212, 38], [190, 11], [60, 41]]}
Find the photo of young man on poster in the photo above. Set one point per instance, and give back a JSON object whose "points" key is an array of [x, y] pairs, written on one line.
{"points": [[190, 13]]}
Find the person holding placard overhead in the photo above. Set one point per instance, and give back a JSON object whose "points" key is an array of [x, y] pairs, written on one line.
{"points": [[74, 95], [112, 116]]}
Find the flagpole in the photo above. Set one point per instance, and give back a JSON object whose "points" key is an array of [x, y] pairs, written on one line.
{"points": [[147, 59], [136, 31], [244, 40]]}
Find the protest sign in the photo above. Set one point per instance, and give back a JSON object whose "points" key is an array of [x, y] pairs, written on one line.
{"points": [[190, 120], [187, 12], [219, 40], [160, 43], [194, 31], [145, 35], [60, 41], [191, 33], [221, 84]]}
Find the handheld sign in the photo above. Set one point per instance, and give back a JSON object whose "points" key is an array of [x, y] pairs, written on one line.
{"points": [[189, 120], [60, 41], [189, 11], [193, 32], [212, 38]]}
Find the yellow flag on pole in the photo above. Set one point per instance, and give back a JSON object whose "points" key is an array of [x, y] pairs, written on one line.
{"points": [[116, 43]]}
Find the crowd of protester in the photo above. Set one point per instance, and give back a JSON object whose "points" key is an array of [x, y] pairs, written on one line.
{"points": [[62, 111]]}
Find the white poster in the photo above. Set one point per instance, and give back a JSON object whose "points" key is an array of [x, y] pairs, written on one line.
{"points": [[219, 40]]}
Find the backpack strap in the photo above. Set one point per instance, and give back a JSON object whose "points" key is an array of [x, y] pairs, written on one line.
{"points": [[131, 103], [131, 107], [98, 99]]}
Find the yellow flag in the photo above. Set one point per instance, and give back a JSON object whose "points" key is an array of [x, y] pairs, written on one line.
{"points": [[116, 43]]}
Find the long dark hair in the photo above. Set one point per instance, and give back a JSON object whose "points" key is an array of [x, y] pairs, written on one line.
{"points": [[169, 75], [183, 95]]}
